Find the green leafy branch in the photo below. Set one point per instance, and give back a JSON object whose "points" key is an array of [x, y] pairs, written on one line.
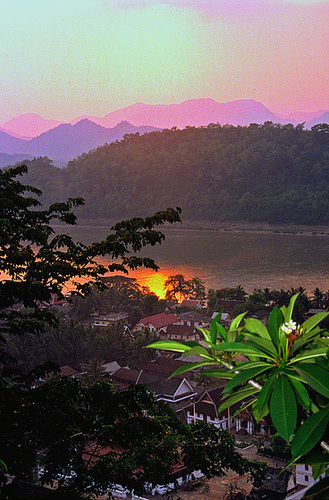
{"points": [[282, 370]]}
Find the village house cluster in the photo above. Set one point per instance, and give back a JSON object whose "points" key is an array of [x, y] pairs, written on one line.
{"points": [[191, 395]]}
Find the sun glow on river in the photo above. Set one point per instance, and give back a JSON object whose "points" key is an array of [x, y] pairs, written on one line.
{"points": [[153, 280]]}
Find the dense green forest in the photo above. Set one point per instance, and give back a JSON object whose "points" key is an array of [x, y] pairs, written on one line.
{"points": [[271, 172]]}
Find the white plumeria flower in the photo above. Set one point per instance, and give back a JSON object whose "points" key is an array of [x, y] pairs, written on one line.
{"points": [[289, 327]]}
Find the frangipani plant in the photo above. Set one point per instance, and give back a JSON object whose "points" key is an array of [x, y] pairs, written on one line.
{"points": [[282, 370]]}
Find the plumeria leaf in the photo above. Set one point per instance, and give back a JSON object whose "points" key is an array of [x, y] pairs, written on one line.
{"points": [[303, 397], [309, 433], [191, 366], [213, 331], [243, 348], [253, 325], [283, 407], [236, 322], [198, 351], [169, 345], [206, 334], [218, 318], [314, 321], [317, 470], [287, 311], [313, 353], [222, 332], [319, 490], [318, 458], [3, 466], [245, 376], [246, 366], [275, 321], [264, 344], [315, 376], [263, 398], [237, 397]]}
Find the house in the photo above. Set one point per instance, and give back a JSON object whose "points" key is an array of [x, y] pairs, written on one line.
{"points": [[156, 322], [192, 303], [109, 319], [111, 367], [225, 317], [124, 377], [166, 366], [276, 485], [193, 318], [179, 333], [304, 475], [228, 306], [176, 391], [206, 409], [68, 371]]}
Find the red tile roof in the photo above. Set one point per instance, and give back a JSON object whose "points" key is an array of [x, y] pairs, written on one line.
{"points": [[159, 320]]}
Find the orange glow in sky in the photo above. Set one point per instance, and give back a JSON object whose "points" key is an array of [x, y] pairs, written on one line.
{"points": [[65, 59]]}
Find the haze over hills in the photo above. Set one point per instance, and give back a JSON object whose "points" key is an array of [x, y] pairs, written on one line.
{"points": [[6, 159], [64, 141], [324, 118], [194, 112]]}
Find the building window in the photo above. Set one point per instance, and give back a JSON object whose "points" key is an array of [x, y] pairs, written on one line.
{"points": [[306, 479], [306, 467]]}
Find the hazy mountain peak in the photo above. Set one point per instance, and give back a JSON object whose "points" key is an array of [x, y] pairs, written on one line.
{"points": [[29, 125]]}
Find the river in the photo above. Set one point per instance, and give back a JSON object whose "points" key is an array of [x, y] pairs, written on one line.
{"points": [[231, 258]]}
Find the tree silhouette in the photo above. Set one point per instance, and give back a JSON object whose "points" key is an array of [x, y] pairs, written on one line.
{"points": [[38, 263], [176, 287]]}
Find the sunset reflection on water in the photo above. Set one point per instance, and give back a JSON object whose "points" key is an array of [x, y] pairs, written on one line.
{"points": [[155, 280]]}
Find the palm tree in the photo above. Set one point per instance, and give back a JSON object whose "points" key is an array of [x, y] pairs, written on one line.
{"points": [[238, 293], [318, 298], [93, 371]]}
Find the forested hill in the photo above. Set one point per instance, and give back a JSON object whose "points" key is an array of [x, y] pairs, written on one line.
{"points": [[274, 173]]}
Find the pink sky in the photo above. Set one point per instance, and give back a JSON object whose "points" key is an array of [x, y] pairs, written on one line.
{"points": [[65, 59]]}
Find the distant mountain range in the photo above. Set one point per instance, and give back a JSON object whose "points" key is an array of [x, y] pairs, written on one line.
{"points": [[65, 142], [32, 135]]}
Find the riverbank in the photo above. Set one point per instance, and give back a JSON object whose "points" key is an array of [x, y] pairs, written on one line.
{"points": [[220, 227]]}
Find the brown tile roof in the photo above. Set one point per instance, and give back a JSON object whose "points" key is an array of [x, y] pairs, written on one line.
{"points": [[190, 303], [228, 305], [160, 385], [125, 375], [67, 371], [193, 316], [163, 366], [185, 330]]}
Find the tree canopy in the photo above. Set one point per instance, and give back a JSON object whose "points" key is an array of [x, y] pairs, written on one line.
{"points": [[35, 262], [271, 172], [80, 436]]}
